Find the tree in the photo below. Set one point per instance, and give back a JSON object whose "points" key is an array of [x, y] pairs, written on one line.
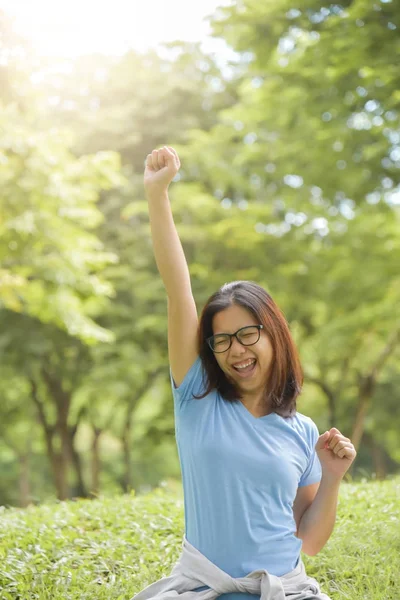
{"points": [[51, 264]]}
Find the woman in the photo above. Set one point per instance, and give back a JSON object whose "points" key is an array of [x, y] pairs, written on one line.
{"points": [[260, 483]]}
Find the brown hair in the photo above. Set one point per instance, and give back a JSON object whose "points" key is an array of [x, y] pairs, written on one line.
{"points": [[286, 375]]}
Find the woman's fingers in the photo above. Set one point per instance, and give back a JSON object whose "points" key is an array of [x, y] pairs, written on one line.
{"points": [[174, 152], [162, 158], [343, 448], [158, 158], [156, 163], [339, 445], [347, 451], [337, 439], [162, 166]]}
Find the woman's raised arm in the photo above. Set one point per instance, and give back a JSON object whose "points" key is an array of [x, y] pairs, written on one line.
{"points": [[161, 167]]}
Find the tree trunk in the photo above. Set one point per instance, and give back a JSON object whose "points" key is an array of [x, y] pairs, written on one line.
{"points": [[56, 463], [379, 459], [126, 444], [24, 480], [59, 468], [359, 422], [96, 461], [367, 385], [80, 487], [62, 428], [126, 437], [62, 403]]}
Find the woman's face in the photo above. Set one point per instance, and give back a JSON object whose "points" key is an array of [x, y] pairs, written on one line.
{"points": [[255, 360]]}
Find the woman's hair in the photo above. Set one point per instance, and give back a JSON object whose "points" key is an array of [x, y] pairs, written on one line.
{"points": [[285, 377]]}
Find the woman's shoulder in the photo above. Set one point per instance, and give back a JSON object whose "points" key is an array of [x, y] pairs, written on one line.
{"points": [[194, 382], [305, 430], [302, 418], [304, 424]]}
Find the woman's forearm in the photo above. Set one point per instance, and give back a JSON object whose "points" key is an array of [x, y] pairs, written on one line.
{"points": [[167, 247], [318, 521]]}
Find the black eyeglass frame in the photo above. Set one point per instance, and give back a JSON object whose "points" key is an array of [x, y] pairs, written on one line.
{"points": [[232, 335]]}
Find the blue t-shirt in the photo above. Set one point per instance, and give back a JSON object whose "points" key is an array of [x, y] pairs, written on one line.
{"points": [[240, 476]]}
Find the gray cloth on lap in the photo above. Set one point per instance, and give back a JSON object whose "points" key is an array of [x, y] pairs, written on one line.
{"points": [[194, 570]]}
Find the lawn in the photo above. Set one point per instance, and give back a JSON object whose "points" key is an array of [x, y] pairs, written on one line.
{"points": [[111, 548]]}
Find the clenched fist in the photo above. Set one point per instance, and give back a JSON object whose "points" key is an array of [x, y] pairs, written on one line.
{"points": [[161, 167], [335, 452]]}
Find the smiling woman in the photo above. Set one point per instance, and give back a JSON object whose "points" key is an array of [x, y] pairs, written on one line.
{"points": [[73, 28], [252, 475], [258, 363]]}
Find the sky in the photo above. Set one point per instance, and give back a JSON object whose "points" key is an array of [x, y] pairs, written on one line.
{"points": [[69, 28]]}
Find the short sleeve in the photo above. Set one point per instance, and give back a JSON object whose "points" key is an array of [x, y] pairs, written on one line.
{"points": [[313, 471], [193, 383]]}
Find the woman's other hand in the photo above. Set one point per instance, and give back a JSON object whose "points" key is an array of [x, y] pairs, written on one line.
{"points": [[161, 168], [335, 452]]}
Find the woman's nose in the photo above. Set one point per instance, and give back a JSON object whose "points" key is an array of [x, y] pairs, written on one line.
{"points": [[237, 347]]}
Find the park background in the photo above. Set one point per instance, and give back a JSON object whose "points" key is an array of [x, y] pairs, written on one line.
{"points": [[287, 125], [290, 152]]}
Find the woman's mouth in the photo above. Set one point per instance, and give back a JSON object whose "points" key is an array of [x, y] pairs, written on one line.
{"points": [[246, 367]]}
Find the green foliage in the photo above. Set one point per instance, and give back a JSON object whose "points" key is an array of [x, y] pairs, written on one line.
{"points": [[113, 548], [289, 177], [50, 261], [327, 75]]}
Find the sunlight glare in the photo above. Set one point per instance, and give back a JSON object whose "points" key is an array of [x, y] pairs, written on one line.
{"points": [[84, 26]]}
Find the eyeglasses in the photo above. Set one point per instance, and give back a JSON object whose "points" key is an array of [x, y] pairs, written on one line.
{"points": [[247, 336]]}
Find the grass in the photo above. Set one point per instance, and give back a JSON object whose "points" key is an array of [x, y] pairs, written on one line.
{"points": [[112, 548]]}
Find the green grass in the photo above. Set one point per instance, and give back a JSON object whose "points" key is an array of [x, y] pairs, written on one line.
{"points": [[112, 548]]}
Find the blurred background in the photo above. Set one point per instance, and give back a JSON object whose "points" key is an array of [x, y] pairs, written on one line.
{"points": [[286, 117]]}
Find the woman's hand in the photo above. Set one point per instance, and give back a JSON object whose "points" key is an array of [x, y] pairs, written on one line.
{"points": [[335, 452], [161, 167]]}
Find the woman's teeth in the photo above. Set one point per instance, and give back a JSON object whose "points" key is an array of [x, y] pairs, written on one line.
{"points": [[245, 365]]}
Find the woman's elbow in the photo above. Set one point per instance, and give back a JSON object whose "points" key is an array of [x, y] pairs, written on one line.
{"points": [[310, 550]]}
